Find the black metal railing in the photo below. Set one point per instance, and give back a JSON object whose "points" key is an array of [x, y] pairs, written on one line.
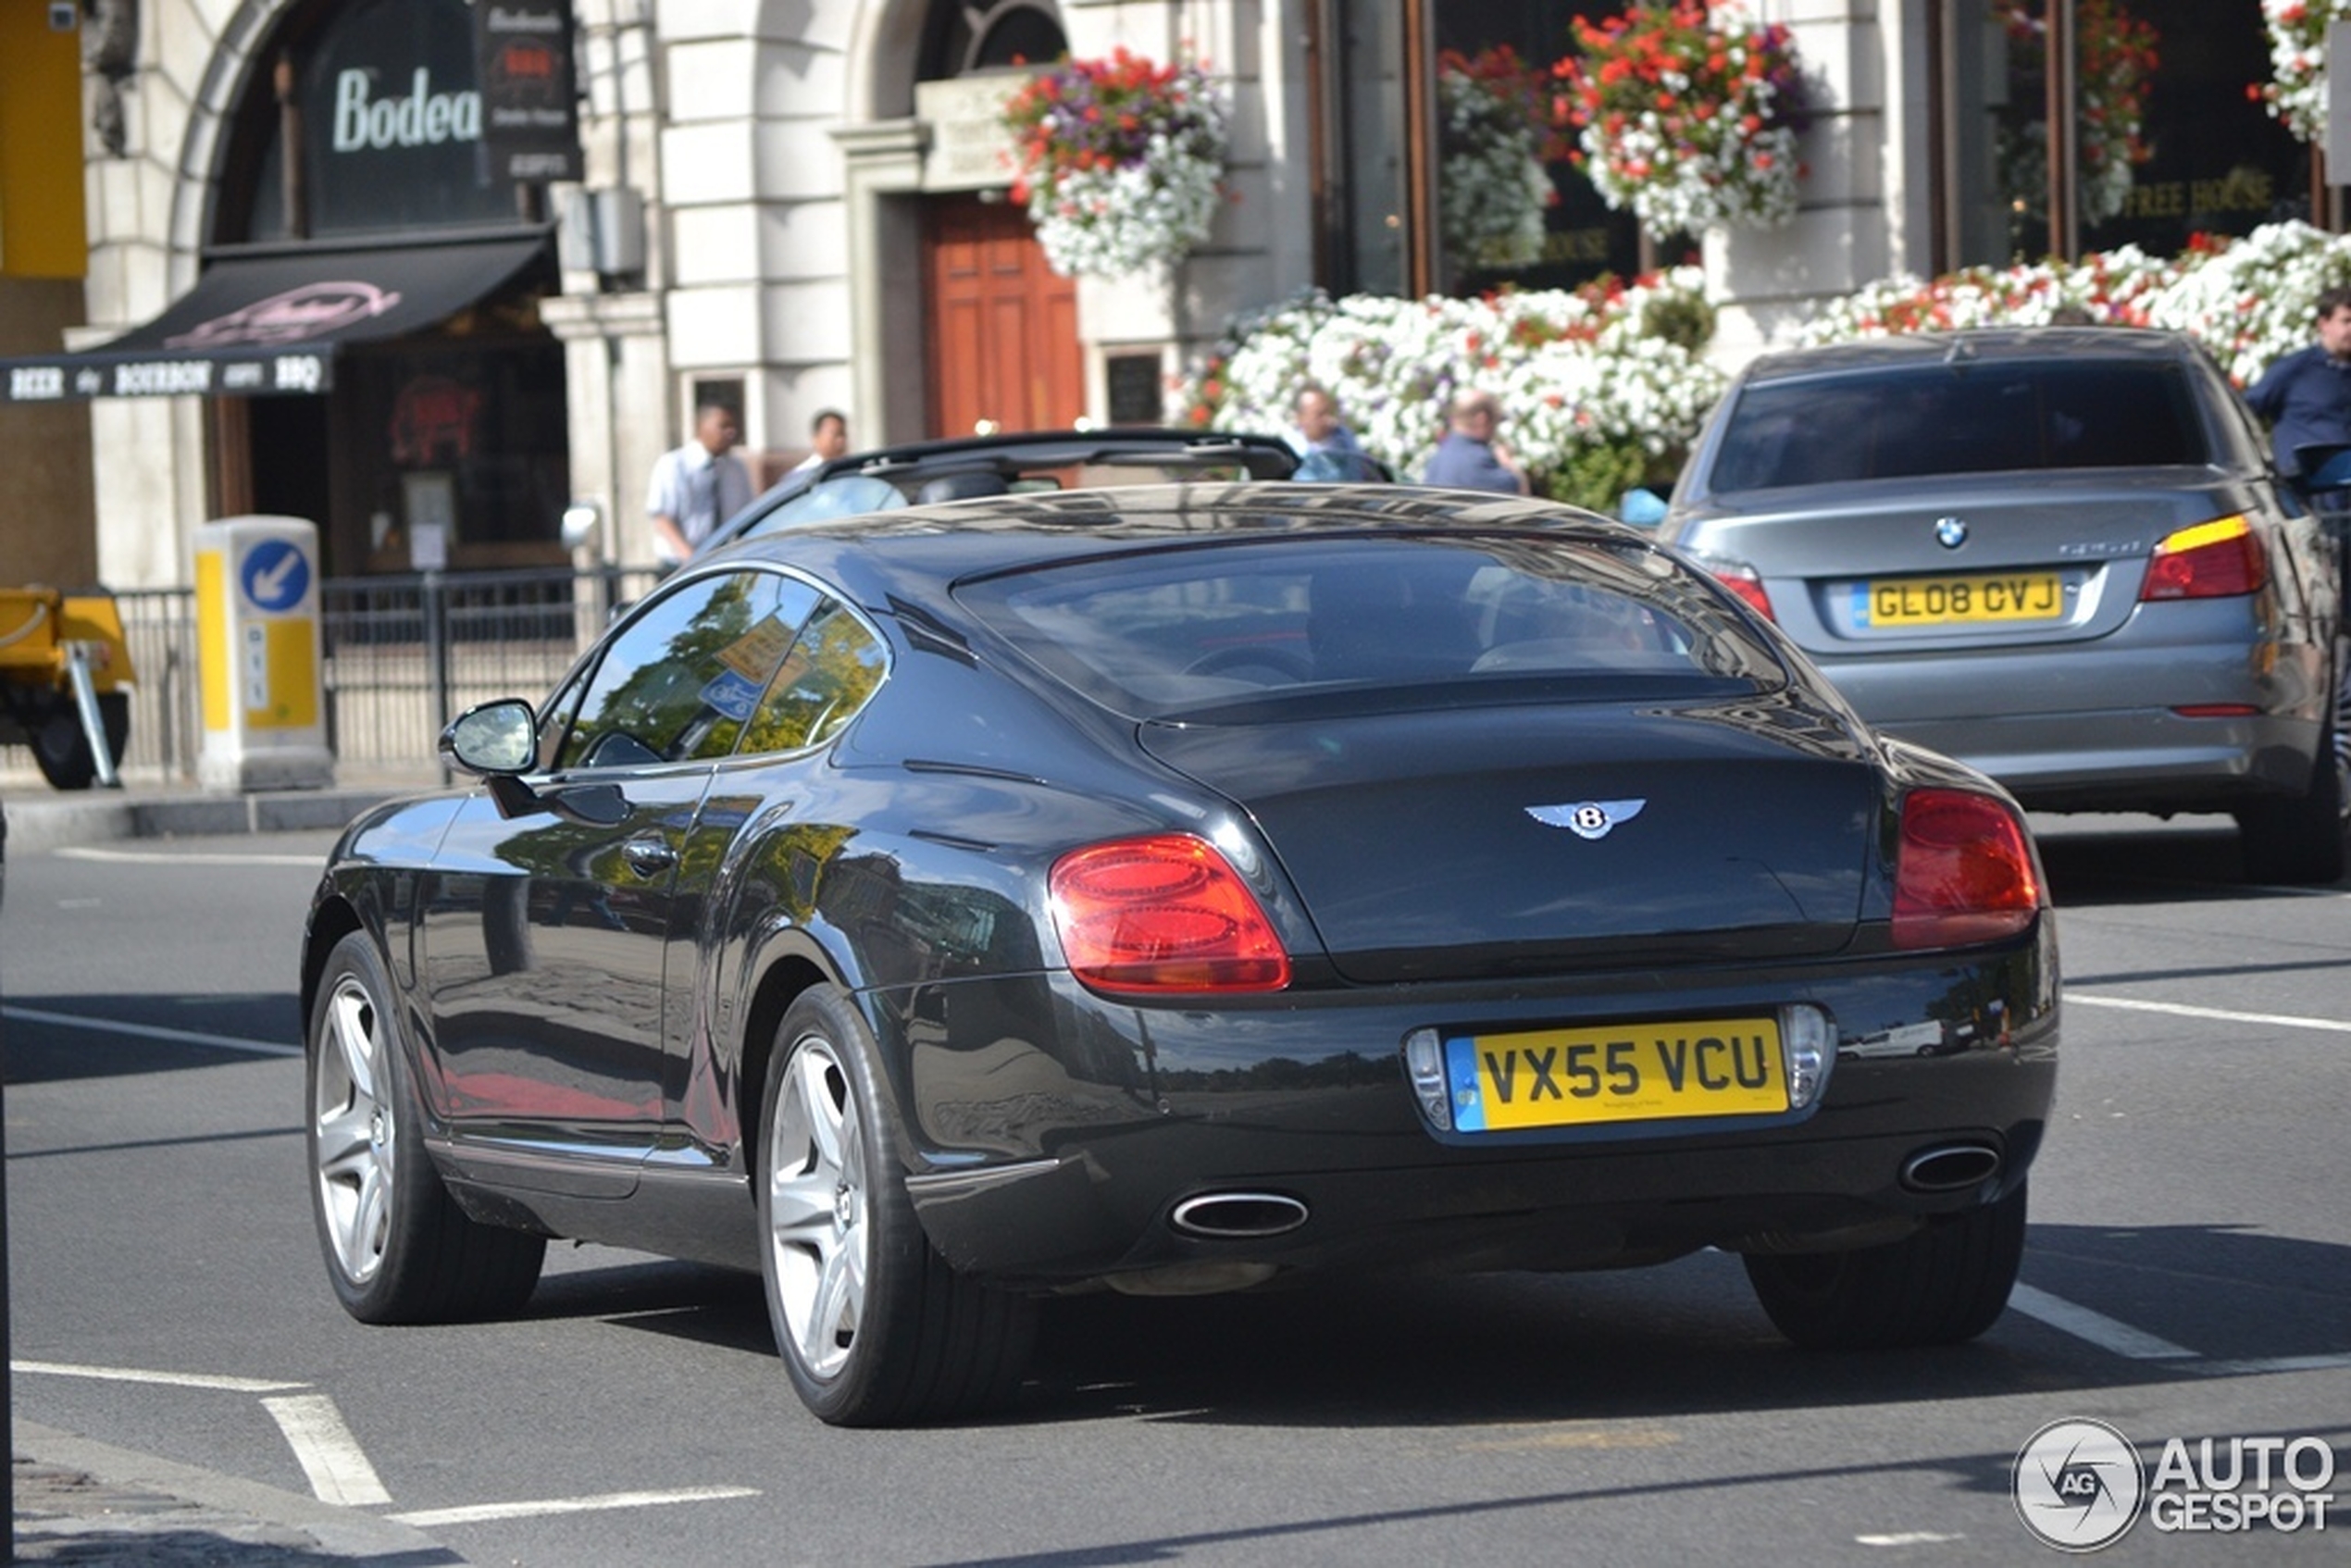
{"points": [[403, 656]]}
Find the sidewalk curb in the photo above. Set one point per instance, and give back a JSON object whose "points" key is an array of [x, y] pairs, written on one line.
{"points": [[340, 1532], [102, 816]]}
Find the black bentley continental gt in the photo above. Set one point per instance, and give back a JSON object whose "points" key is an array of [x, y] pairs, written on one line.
{"points": [[1170, 890]]}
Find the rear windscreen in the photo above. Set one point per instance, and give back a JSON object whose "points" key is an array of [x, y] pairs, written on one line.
{"points": [[1391, 620], [1965, 418]]}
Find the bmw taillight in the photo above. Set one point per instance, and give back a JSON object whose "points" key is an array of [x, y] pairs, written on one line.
{"points": [[1741, 579], [1965, 872], [1163, 913], [2211, 560]]}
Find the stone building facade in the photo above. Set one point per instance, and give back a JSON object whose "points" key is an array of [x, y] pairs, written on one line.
{"points": [[792, 205]]}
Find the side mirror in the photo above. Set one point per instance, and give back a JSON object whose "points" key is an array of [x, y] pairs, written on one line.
{"points": [[496, 739], [583, 524]]}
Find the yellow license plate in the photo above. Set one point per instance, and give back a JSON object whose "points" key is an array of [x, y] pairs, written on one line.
{"points": [[1960, 601], [1617, 1073]]}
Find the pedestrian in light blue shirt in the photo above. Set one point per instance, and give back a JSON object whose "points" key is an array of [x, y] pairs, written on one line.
{"points": [[1325, 447], [697, 487]]}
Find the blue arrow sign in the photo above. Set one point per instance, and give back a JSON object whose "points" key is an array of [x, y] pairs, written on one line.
{"points": [[275, 575]]}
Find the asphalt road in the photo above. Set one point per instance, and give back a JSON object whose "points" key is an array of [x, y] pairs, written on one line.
{"points": [[2188, 1276]]}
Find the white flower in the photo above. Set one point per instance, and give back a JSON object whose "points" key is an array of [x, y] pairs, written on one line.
{"points": [[1492, 187], [2297, 95], [2249, 301], [1574, 374], [1121, 163], [1678, 128]]}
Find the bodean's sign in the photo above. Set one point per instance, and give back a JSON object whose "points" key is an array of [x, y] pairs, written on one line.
{"points": [[365, 123]]}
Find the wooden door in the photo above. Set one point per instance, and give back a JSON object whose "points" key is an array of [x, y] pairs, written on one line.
{"points": [[1003, 344]]}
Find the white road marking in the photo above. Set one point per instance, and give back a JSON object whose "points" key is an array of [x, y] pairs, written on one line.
{"points": [[482, 1513], [2263, 1366], [151, 1031], [1909, 1537], [168, 1379], [192, 857], [2118, 1339], [2217, 1014], [328, 1454]]}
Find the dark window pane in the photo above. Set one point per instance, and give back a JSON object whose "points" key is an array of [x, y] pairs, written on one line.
{"points": [[1406, 621], [1965, 421], [836, 666], [682, 678]]}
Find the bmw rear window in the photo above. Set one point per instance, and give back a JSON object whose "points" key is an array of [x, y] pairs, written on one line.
{"points": [[1958, 418], [1392, 621]]}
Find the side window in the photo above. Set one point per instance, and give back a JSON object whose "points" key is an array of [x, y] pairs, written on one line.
{"points": [[679, 682], [834, 669]]}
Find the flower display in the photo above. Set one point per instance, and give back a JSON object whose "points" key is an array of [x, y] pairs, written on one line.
{"points": [[1598, 391], [2249, 301], [1120, 162], [2118, 57], [1686, 113], [1495, 134], [2296, 91], [1604, 388]]}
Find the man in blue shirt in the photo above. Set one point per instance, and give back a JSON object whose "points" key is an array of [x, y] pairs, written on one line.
{"points": [[1471, 457], [2307, 395]]}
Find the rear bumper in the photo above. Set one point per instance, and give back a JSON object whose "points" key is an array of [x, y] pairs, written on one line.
{"points": [[2098, 725], [2137, 759], [1081, 1180]]}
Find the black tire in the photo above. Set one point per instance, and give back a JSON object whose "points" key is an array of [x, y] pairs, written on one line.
{"points": [[398, 1249], [873, 1327], [62, 749], [1943, 1286], [2299, 842]]}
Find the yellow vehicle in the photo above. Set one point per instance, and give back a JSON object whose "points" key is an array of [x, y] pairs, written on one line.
{"points": [[64, 668]]}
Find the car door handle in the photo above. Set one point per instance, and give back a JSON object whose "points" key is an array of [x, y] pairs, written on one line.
{"points": [[648, 857]]}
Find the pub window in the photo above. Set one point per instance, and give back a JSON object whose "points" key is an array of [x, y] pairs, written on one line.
{"points": [[1402, 187], [2207, 159]]}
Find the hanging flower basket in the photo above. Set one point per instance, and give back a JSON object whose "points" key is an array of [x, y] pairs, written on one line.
{"points": [[1495, 136], [2296, 91], [2117, 65], [1686, 114], [1120, 162]]}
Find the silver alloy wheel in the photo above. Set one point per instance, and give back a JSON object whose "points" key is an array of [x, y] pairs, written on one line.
{"points": [[354, 1141], [818, 1192]]}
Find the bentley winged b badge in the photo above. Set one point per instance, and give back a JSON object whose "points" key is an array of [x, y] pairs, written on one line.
{"points": [[1587, 819]]}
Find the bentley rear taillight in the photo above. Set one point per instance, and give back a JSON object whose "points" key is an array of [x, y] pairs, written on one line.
{"points": [[1964, 873], [2211, 560], [1164, 913]]}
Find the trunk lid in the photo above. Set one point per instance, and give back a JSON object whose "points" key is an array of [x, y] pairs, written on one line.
{"points": [[1415, 842], [1970, 563]]}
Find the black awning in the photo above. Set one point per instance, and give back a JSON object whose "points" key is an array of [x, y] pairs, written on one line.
{"points": [[259, 324]]}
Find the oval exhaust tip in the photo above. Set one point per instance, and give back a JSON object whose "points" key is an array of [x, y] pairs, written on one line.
{"points": [[1227, 1216], [1950, 1167]]}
